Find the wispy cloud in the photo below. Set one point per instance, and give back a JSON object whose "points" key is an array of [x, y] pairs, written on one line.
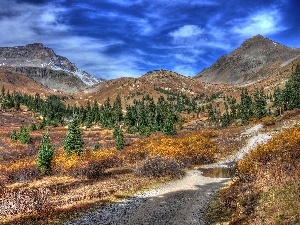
{"points": [[26, 22], [186, 32], [263, 22], [115, 38]]}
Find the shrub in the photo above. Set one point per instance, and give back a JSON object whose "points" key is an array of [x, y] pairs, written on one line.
{"points": [[282, 147], [268, 121], [32, 127], [158, 166], [21, 170], [191, 149], [91, 165]]}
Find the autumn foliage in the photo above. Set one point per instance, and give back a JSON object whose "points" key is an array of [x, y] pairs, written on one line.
{"points": [[266, 189], [90, 165]]}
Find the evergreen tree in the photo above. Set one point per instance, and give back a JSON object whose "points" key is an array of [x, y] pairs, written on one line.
{"points": [[42, 124], [168, 127], [117, 109], [277, 101], [24, 136], [246, 107], [14, 136], [291, 92], [45, 155], [260, 103], [226, 118], [118, 136], [233, 108], [73, 142]]}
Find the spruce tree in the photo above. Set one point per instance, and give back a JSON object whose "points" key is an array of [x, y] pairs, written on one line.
{"points": [[291, 92], [119, 137], [24, 136], [117, 109], [260, 103], [14, 136], [277, 102], [73, 142], [246, 107], [45, 155]]}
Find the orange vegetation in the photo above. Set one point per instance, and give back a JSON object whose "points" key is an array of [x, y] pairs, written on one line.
{"points": [[266, 190]]}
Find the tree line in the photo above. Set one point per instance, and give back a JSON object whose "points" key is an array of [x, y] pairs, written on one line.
{"points": [[257, 105]]}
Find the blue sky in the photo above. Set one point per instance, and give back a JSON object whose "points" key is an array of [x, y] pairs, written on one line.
{"points": [[115, 38]]}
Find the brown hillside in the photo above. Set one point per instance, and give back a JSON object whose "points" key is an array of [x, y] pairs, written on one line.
{"points": [[135, 88], [13, 81]]}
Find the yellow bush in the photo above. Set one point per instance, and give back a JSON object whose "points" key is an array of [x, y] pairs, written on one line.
{"points": [[284, 146], [90, 165], [22, 170], [192, 148]]}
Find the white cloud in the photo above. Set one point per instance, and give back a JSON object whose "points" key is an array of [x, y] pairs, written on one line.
{"points": [[25, 23], [187, 31], [263, 22]]}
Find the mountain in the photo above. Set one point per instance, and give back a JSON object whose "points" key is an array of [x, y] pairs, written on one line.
{"points": [[256, 59], [43, 65]]}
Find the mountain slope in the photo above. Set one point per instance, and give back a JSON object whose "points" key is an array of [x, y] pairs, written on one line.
{"points": [[256, 59], [18, 82], [44, 66], [155, 83]]}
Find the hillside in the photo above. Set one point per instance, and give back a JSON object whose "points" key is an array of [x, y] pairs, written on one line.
{"points": [[256, 59], [44, 66], [154, 83], [18, 82]]}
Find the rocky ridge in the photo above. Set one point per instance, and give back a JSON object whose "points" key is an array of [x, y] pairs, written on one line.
{"points": [[43, 65]]}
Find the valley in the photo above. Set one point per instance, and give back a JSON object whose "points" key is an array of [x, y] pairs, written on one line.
{"points": [[111, 139]]}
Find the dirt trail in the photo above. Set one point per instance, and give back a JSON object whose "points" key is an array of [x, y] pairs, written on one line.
{"points": [[178, 202]]}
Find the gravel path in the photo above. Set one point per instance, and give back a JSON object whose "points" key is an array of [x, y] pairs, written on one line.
{"points": [[254, 140], [178, 202]]}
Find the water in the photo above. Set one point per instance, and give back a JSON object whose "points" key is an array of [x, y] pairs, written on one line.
{"points": [[217, 172]]}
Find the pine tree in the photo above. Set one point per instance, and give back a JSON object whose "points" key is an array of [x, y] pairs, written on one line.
{"points": [[45, 155], [277, 102], [260, 103], [246, 107], [291, 92], [117, 109], [168, 127], [42, 124], [14, 136], [119, 137], [73, 142], [24, 136]]}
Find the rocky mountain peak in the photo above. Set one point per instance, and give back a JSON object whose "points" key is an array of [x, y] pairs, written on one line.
{"points": [[37, 60], [249, 62]]}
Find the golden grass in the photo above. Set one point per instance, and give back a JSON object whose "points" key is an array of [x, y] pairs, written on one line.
{"points": [[266, 190]]}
